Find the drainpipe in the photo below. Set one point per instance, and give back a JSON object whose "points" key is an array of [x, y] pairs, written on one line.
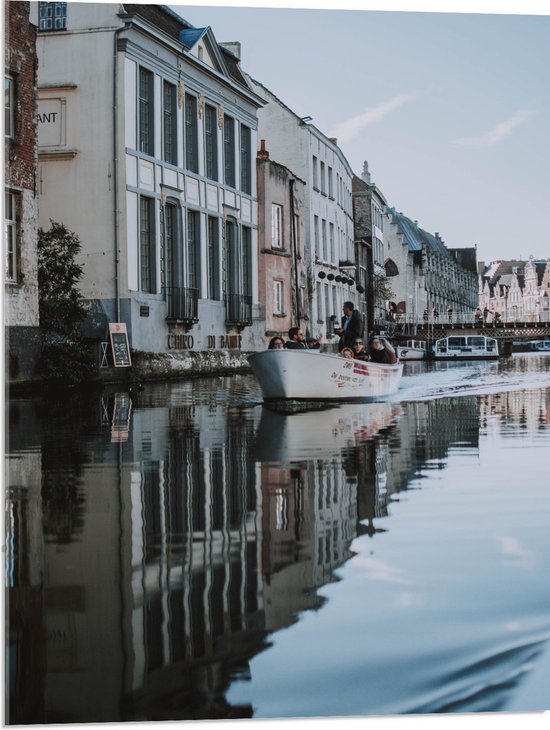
{"points": [[115, 170], [294, 252]]}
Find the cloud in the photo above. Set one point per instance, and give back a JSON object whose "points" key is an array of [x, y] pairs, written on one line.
{"points": [[345, 131], [499, 132]]}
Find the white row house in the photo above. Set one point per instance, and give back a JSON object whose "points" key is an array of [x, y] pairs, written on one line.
{"points": [[147, 133], [518, 291]]}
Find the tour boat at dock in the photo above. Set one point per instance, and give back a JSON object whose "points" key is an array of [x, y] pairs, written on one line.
{"points": [[411, 349], [310, 375], [465, 347]]}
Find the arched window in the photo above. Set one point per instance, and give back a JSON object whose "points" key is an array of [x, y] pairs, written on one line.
{"points": [[391, 268]]}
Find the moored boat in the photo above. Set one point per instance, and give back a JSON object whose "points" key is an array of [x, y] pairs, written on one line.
{"points": [[411, 349], [317, 376], [539, 345], [465, 347]]}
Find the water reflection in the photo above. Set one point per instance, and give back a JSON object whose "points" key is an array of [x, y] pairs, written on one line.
{"points": [[156, 541]]}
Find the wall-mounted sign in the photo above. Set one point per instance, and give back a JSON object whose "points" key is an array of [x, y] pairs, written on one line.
{"points": [[119, 345]]}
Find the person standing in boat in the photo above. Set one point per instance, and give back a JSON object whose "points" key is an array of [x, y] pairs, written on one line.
{"points": [[297, 340], [352, 326], [382, 352]]}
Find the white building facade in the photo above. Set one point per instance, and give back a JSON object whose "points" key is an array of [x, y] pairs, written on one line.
{"points": [[147, 140], [328, 210]]}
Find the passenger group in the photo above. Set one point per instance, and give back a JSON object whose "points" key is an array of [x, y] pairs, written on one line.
{"points": [[351, 344]]}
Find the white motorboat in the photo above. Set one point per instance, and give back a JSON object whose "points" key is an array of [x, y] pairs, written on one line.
{"points": [[310, 375], [466, 347], [539, 345], [411, 349]]}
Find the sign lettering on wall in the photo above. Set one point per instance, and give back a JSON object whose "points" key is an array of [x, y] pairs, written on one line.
{"points": [[221, 342], [51, 118]]}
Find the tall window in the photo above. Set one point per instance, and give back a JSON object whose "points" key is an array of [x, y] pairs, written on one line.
{"points": [[324, 236], [53, 16], [9, 106], [247, 260], [322, 173], [246, 168], [211, 141], [213, 258], [147, 244], [276, 226], [170, 123], [229, 150], [193, 249], [331, 240], [277, 297], [171, 267], [191, 134], [11, 237], [316, 235], [330, 183], [315, 174], [146, 111]]}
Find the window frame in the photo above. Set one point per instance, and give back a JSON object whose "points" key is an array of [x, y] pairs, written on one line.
{"points": [[229, 167], [278, 294], [52, 17], [191, 133], [11, 236], [146, 111], [211, 142], [246, 159], [193, 263], [9, 106], [277, 238], [213, 244], [147, 247], [170, 122]]}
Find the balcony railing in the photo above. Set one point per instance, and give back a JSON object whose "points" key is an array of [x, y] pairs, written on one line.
{"points": [[238, 309], [182, 304]]}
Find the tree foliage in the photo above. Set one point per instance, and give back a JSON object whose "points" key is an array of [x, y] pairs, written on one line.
{"points": [[65, 357]]}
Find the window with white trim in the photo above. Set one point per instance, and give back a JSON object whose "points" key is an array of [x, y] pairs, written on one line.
{"points": [[53, 16], [276, 226], [9, 106], [11, 237], [277, 297], [146, 111]]}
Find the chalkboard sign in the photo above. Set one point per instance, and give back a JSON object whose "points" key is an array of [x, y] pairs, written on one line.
{"points": [[119, 345]]}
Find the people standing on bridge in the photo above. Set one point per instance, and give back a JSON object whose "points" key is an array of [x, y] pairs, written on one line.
{"points": [[486, 314], [450, 315], [478, 316], [435, 314], [426, 315]]}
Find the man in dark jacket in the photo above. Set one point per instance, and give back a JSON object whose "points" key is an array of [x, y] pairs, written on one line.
{"points": [[352, 326], [297, 340]]}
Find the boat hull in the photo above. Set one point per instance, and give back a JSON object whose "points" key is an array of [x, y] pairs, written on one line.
{"points": [[409, 353], [308, 375]]}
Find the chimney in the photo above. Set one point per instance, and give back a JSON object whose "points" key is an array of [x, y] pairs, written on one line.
{"points": [[233, 47], [334, 140], [262, 154], [365, 175]]}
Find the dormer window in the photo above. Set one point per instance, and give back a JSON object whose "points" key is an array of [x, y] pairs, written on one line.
{"points": [[53, 16]]}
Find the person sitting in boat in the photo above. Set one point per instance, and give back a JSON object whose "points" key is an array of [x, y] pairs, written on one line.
{"points": [[359, 352], [382, 352], [276, 343], [352, 326], [297, 340], [347, 352]]}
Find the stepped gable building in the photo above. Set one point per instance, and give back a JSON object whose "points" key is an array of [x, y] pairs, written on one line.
{"points": [[21, 194], [297, 144], [519, 291], [282, 272], [426, 276], [147, 139], [368, 212]]}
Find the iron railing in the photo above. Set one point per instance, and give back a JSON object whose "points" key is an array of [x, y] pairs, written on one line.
{"points": [[238, 309], [182, 304]]}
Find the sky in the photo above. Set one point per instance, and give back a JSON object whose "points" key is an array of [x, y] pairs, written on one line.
{"points": [[451, 110]]}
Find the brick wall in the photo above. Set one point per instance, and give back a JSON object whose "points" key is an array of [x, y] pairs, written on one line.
{"points": [[20, 47]]}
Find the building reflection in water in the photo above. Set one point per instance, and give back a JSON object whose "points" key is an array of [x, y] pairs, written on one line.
{"points": [[154, 548]]}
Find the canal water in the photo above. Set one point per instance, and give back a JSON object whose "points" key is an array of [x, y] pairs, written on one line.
{"points": [[179, 551]]}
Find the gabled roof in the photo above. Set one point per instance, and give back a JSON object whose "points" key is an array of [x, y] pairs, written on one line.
{"points": [[415, 237], [188, 37]]}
